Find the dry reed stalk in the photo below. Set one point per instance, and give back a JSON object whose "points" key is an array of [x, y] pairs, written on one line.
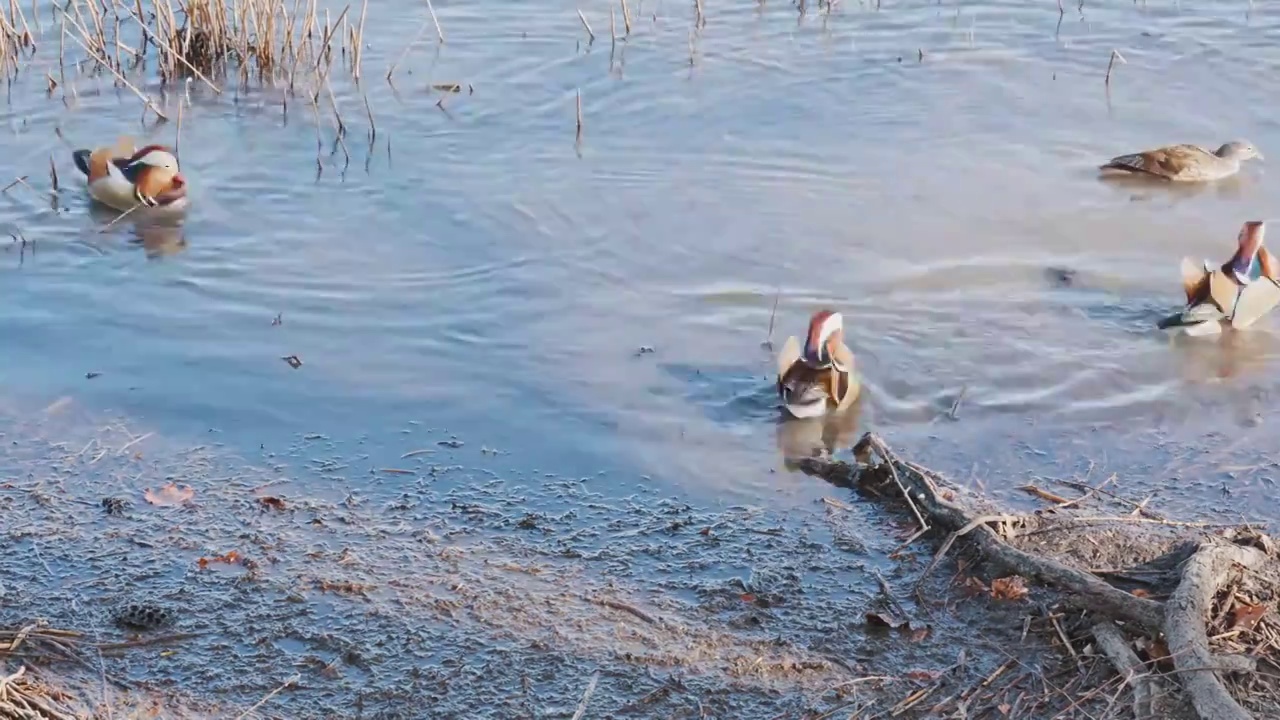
{"points": [[118, 218], [431, 9], [579, 108], [169, 49], [373, 127], [1115, 55], [699, 19], [358, 42], [417, 36], [325, 51], [177, 135], [626, 18], [107, 64], [591, 36], [613, 30]]}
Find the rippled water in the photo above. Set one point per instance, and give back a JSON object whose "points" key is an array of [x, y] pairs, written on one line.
{"points": [[920, 166]]}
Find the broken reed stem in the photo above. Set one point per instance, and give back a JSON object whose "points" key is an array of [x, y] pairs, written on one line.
{"points": [[373, 127], [613, 30], [579, 93], [107, 64], [118, 218], [431, 9], [177, 135], [1115, 55], [358, 50], [591, 36], [295, 678], [626, 18], [416, 36]]}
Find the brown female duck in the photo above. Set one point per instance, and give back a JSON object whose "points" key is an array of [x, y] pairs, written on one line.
{"points": [[1185, 163]]}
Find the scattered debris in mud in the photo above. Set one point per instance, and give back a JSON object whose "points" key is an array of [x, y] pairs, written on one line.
{"points": [[456, 588], [1171, 615], [320, 588]]}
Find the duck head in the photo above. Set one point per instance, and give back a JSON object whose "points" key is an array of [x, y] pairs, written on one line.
{"points": [[1240, 291], [1239, 150], [826, 334], [154, 172]]}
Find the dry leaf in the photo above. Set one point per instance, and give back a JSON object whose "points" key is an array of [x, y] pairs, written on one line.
{"points": [[1009, 588], [1246, 616], [882, 620], [169, 494], [922, 675], [920, 634], [747, 597], [230, 558], [1139, 592], [1005, 709], [973, 586], [272, 503]]}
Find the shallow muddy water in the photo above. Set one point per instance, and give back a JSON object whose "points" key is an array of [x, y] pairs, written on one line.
{"points": [[595, 310]]}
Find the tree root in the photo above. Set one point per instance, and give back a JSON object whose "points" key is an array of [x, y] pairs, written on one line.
{"points": [[1181, 619]]}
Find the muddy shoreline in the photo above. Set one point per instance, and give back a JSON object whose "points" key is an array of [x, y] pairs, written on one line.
{"points": [[449, 598]]}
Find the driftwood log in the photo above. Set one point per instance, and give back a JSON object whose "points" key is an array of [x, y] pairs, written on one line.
{"points": [[1181, 620]]}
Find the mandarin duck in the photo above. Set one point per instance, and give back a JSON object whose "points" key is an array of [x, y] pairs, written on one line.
{"points": [[1240, 291], [122, 178], [819, 377], [1185, 163]]}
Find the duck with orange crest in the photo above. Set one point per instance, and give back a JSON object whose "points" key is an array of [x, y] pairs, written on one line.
{"points": [[1237, 293], [122, 177], [818, 377]]}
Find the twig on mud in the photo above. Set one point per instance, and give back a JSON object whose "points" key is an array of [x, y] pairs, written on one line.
{"points": [[273, 693], [1057, 500], [619, 605], [586, 697], [1083, 486], [888, 594], [133, 442], [146, 642], [951, 539], [880, 447]]}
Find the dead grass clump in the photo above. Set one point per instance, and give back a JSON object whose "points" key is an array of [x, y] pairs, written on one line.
{"points": [[267, 40]]}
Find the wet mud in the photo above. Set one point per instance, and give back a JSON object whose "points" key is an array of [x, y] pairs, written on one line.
{"points": [[450, 591]]}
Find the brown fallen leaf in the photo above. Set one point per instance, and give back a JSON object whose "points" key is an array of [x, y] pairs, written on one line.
{"points": [[272, 503], [169, 494], [230, 558], [1246, 616], [1005, 709], [1009, 588], [922, 675], [1139, 592], [883, 620], [747, 598], [920, 634]]}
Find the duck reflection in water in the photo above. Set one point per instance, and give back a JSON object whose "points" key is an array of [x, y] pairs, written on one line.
{"points": [[159, 237], [818, 385]]}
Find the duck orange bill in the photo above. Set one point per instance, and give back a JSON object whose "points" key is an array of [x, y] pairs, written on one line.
{"points": [[1256, 299]]}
